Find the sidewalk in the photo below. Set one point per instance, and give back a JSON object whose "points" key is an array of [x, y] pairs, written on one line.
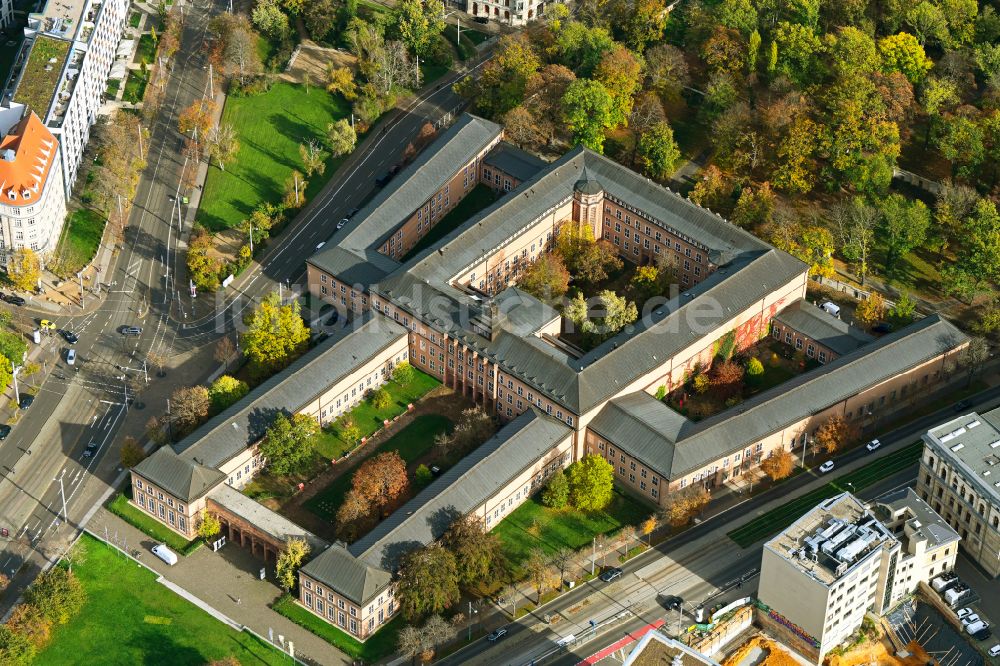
{"points": [[226, 584]]}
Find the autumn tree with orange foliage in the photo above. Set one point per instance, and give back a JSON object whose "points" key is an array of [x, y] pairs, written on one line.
{"points": [[833, 434], [778, 465]]}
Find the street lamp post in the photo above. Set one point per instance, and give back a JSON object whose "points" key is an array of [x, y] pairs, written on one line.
{"points": [[62, 491]]}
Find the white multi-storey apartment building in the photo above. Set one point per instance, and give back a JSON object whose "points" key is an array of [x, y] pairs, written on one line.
{"points": [[62, 70], [6, 13], [32, 200], [839, 562], [508, 12]]}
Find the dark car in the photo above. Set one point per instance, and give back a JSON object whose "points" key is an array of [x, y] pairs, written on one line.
{"points": [[70, 337], [435, 470], [611, 574], [481, 19], [351, 213], [4, 431], [14, 299], [982, 634], [497, 635], [90, 450], [883, 327], [26, 401], [333, 318], [672, 602], [131, 330], [383, 180], [961, 405]]}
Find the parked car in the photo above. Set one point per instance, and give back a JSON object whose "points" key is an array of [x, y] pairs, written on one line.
{"points": [[435, 470], [165, 554], [826, 467], [481, 19], [830, 308], [611, 574], [26, 401], [971, 618], [497, 635], [70, 336], [874, 444], [131, 330], [320, 246], [383, 180], [882, 327], [963, 612], [91, 449], [14, 299], [983, 634], [4, 431], [961, 405], [47, 325], [340, 225], [995, 650], [351, 213], [70, 357]]}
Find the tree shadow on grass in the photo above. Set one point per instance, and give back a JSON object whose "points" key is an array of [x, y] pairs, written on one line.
{"points": [[158, 647]]}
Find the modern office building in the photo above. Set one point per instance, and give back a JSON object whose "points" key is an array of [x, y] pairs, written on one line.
{"points": [[62, 69], [838, 562], [32, 200], [960, 478]]}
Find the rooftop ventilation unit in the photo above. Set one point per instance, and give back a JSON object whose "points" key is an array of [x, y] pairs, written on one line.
{"points": [[972, 425], [958, 447], [995, 444], [947, 438]]}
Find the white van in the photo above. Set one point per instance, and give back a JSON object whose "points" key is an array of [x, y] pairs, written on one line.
{"points": [[165, 554], [975, 627], [831, 308]]}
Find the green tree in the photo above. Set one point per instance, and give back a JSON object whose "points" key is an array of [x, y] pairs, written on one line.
{"points": [[403, 373], [341, 137], [501, 86], [591, 483], [422, 476], [381, 398], [289, 560], [640, 22], [904, 310], [903, 53], [576, 310], [615, 314], [16, 649], [208, 525], [928, 23], [961, 140], [852, 52], [418, 23], [659, 151], [547, 279], [226, 391], [289, 442], [269, 19], [58, 594], [755, 370], [428, 582], [131, 453], [979, 256], [477, 552], [13, 347], [798, 48], [588, 113], [903, 227], [556, 493], [275, 335], [646, 283], [581, 47], [737, 14], [620, 72]]}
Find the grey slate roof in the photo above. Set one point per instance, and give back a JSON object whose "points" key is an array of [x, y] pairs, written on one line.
{"points": [[236, 428], [347, 575], [973, 450], [350, 249], [263, 518], [514, 161], [675, 449], [478, 476], [182, 478], [823, 327], [932, 526]]}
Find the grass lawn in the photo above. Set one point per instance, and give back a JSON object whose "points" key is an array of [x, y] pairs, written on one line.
{"points": [[379, 645], [129, 618], [431, 73], [778, 519], [476, 36], [369, 418], [478, 198], [532, 525], [113, 86], [134, 19], [269, 127], [80, 239], [138, 519], [412, 442], [146, 51], [135, 86]]}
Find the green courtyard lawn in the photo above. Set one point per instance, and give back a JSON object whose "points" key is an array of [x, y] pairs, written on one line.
{"points": [[138, 519], [146, 51], [379, 645], [134, 19], [369, 418], [129, 618], [269, 126], [79, 241], [532, 525], [431, 73], [412, 442], [478, 198], [135, 86], [113, 86]]}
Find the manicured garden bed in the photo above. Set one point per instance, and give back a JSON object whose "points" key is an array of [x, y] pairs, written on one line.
{"points": [[411, 442], [269, 127], [131, 514], [135, 86], [532, 525], [129, 618], [379, 645]]}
